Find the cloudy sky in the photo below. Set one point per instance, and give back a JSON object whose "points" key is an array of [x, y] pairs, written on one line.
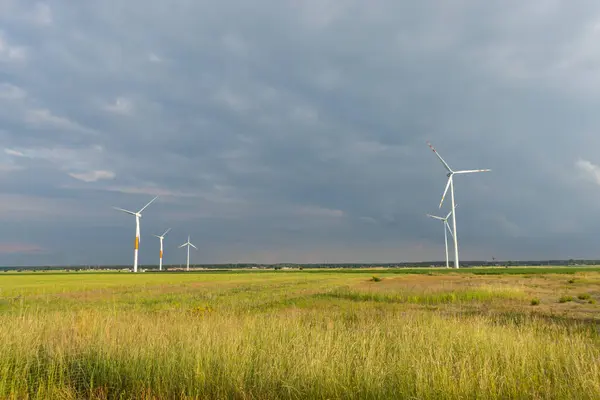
{"points": [[295, 131]]}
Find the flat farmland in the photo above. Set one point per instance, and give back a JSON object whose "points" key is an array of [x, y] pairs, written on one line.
{"points": [[491, 333]]}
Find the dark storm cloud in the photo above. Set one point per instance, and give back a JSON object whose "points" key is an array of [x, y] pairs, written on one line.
{"points": [[287, 131]]}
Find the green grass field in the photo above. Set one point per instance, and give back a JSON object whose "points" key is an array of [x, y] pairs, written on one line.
{"points": [[490, 333]]}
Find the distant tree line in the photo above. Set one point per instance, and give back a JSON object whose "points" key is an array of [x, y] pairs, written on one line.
{"points": [[510, 263]]}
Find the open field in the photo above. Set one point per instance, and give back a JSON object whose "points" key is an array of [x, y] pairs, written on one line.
{"points": [[427, 334]]}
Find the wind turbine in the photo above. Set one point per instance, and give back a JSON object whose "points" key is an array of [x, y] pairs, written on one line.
{"points": [[446, 230], [137, 215], [161, 237], [450, 185], [188, 244]]}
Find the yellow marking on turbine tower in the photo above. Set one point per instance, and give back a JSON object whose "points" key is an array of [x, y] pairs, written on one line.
{"points": [[161, 254], [137, 242]]}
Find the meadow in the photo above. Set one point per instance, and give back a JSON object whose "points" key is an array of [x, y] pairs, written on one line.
{"points": [[490, 333]]}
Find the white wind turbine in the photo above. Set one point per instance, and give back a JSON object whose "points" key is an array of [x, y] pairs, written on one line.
{"points": [[188, 244], [446, 230], [161, 237], [450, 185], [137, 215]]}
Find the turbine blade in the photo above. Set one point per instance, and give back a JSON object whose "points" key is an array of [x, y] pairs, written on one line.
{"points": [[451, 211], [183, 245], [157, 236], [449, 229], [167, 231], [193, 246], [440, 157], [435, 216], [446, 190], [151, 201], [470, 171], [125, 211]]}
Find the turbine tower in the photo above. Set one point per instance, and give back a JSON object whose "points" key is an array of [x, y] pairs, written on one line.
{"points": [[137, 215], [161, 237], [450, 185], [188, 244], [446, 230]]}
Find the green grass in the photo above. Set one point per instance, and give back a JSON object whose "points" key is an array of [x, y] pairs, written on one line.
{"points": [[464, 270], [486, 294], [286, 335]]}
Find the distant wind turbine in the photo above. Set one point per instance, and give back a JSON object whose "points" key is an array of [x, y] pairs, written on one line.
{"points": [[450, 185], [188, 244], [161, 237], [446, 230], [137, 215]]}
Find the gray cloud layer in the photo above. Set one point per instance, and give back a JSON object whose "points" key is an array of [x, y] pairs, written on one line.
{"points": [[295, 131]]}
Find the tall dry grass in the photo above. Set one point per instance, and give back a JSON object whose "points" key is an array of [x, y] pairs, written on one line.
{"points": [[334, 351]]}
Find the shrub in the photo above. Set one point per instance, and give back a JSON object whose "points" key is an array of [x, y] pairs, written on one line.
{"points": [[535, 302], [565, 299], [584, 296], [571, 281], [376, 279], [592, 301]]}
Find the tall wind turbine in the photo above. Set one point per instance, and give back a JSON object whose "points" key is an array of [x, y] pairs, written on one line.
{"points": [[450, 185], [161, 237], [137, 215], [446, 230], [188, 244]]}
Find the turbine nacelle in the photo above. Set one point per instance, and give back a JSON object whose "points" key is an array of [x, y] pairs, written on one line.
{"points": [[137, 214], [161, 237], [188, 244]]}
